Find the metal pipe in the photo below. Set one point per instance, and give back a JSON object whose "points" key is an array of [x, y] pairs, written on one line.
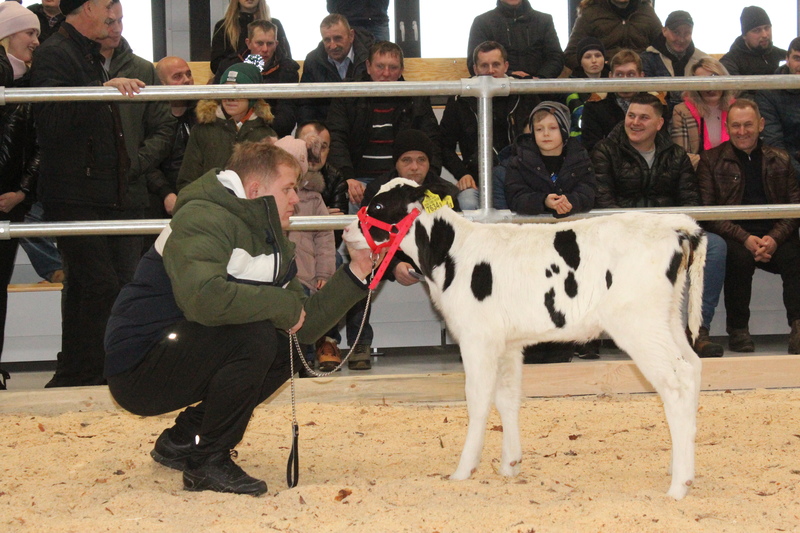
{"points": [[485, 144]]}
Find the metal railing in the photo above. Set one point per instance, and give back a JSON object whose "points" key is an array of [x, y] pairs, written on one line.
{"points": [[484, 88]]}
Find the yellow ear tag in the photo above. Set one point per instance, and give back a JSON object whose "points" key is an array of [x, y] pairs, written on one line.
{"points": [[433, 202]]}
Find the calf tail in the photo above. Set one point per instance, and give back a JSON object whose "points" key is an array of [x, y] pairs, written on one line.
{"points": [[695, 247]]}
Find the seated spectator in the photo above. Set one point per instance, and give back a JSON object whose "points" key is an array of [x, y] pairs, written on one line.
{"points": [[551, 172], [753, 53], [673, 52], [746, 171], [341, 56], [781, 110], [220, 125], [230, 32], [529, 37], [459, 124], [619, 24], [592, 58], [639, 166], [371, 16], [699, 123]]}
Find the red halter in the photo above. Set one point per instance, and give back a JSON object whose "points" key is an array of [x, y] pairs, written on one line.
{"points": [[397, 233]]}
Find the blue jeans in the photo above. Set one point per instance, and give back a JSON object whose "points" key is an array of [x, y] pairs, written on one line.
{"points": [[42, 251], [499, 187], [379, 30], [714, 276], [469, 199]]}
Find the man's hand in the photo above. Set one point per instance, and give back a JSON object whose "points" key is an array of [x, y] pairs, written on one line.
{"points": [[402, 276], [169, 202], [558, 203], [766, 249], [127, 86], [361, 261], [296, 327], [467, 182], [10, 200], [356, 191], [335, 211]]}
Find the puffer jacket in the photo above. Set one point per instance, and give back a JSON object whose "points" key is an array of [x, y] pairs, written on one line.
{"points": [[528, 182], [84, 160], [314, 250], [149, 127], [625, 180], [221, 48], [528, 36], [223, 259], [722, 182], [634, 27], [19, 153], [781, 112], [741, 60], [211, 140]]}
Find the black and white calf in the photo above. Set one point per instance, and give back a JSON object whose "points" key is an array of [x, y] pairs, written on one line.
{"points": [[501, 287]]}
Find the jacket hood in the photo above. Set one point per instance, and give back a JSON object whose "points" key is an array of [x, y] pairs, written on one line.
{"points": [[208, 111]]}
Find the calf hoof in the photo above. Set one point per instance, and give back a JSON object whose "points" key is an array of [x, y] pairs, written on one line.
{"points": [[679, 490], [511, 469], [462, 473]]}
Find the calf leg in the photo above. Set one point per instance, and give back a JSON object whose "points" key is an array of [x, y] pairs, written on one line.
{"points": [[480, 368], [507, 400]]}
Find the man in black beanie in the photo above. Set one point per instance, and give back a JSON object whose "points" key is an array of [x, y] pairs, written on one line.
{"points": [[753, 53]]}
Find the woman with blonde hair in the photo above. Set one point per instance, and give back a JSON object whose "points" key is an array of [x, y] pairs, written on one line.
{"points": [[698, 123], [230, 32]]}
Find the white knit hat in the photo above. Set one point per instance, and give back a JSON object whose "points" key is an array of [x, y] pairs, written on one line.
{"points": [[297, 148], [15, 18]]}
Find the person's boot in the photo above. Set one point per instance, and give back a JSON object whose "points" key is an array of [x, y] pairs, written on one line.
{"points": [[589, 350], [739, 340], [360, 358], [219, 473], [794, 338], [704, 347], [328, 354], [170, 453], [4, 376]]}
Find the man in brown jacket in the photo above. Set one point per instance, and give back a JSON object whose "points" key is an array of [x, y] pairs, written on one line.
{"points": [[744, 171]]}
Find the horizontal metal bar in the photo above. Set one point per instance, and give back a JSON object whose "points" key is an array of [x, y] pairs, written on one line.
{"points": [[335, 222], [467, 87]]}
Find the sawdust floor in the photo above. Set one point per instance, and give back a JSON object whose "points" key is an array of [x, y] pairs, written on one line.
{"points": [[590, 464]]}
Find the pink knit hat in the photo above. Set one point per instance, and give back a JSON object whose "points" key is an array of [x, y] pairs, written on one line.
{"points": [[297, 148], [14, 18]]}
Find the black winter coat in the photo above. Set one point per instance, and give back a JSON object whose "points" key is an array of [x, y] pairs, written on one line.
{"points": [[375, 10], [84, 160], [221, 48], [742, 61], [598, 119], [528, 36], [335, 194], [528, 182], [19, 153], [625, 180]]}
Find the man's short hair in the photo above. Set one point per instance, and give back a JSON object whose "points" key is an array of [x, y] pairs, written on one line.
{"points": [[625, 56], [318, 126], [488, 46], [259, 160], [794, 46], [333, 19], [386, 48], [263, 25], [649, 99], [745, 103]]}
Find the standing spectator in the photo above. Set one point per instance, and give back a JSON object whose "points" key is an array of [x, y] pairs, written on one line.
{"points": [[19, 161], [619, 24], [84, 176], [50, 17], [230, 32], [746, 171], [528, 36], [672, 52], [220, 125], [459, 124], [752, 53], [781, 110], [263, 51], [639, 166], [162, 184], [371, 16], [341, 56], [592, 58], [700, 122]]}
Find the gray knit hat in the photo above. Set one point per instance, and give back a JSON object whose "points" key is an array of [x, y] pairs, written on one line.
{"points": [[559, 111], [753, 17]]}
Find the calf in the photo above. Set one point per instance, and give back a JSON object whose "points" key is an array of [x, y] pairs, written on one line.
{"points": [[502, 287]]}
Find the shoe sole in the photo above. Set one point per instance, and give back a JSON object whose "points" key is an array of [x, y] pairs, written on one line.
{"points": [[359, 365], [328, 367], [196, 485], [175, 464]]}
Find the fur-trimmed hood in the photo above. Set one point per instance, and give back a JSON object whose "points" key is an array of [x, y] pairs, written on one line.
{"points": [[209, 110]]}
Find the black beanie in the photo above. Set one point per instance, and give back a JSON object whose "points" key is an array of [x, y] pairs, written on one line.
{"points": [[753, 17], [68, 6], [590, 43], [411, 140]]}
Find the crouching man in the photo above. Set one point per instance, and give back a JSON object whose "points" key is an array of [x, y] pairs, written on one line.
{"points": [[205, 319]]}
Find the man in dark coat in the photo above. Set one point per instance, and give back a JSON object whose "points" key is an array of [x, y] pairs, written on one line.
{"points": [[528, 36], [50, 17], [753, 53], [341, 56], [371, 16]]}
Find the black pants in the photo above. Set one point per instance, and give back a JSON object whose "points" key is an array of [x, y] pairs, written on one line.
{"points": [[8, 253], [228, 369], [739, 269]]}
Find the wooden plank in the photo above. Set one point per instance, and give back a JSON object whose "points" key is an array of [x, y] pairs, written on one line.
{"points": [[35, 287]]}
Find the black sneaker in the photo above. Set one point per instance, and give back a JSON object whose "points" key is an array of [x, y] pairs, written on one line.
{"points": [[169, 453], [4, 376], [220, 474]]}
